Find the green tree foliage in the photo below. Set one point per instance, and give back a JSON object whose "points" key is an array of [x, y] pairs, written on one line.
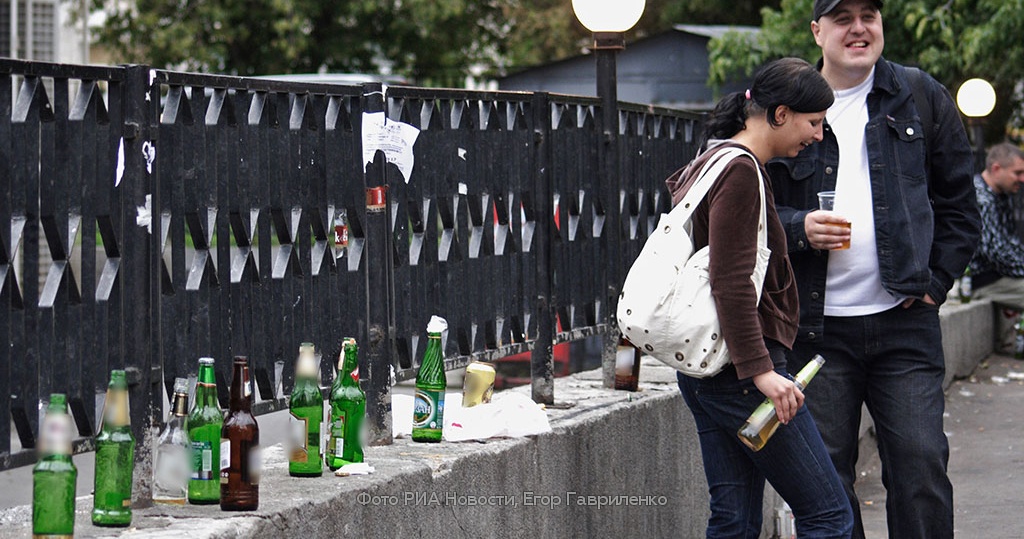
{"points": [[953, 40], [427, 40]]}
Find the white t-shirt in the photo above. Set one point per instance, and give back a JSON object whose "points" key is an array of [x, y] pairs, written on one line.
{"points": [[854, 285]]}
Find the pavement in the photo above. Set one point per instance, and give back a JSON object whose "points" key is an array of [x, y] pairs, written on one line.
{"points": [[985, 427]]}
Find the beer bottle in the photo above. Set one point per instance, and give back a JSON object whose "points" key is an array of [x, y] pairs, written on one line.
{"points": [[428, 405], [306, 412], [240, 446], [966, 286], [54, 476], [172, 465], [348, 408], [1018, 338], [115, 458], [204, 424], [761, 424]]}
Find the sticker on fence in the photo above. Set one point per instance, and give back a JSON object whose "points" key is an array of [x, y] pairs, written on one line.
{"points": [[395, 139]]}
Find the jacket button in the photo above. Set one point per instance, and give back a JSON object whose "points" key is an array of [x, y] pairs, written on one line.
{"points": [[910, 131], [828, 170], [815, 295], [812, 335], [800, 244]]}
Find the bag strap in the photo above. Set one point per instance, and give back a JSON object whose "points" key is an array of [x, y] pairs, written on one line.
{"points": [[924, 109], [683, 211]]}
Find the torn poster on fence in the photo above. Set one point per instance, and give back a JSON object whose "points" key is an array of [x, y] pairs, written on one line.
{"points": [[395, 139]]}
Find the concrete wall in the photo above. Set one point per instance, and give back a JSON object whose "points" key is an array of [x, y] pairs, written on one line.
{"points": [[604, 443]]}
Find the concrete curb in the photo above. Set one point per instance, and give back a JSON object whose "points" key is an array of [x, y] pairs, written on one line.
{"points": [[616, 463]]}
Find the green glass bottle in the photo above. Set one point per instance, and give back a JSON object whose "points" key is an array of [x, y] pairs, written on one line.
{"points": [[966, 286], [203, 425], [306, 412], [54, 476], [763, 422], [348, 409], [115, 458], [428, 405]]}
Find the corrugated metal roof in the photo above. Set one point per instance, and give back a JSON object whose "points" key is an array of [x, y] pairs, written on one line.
{"points": [[714, 30]]}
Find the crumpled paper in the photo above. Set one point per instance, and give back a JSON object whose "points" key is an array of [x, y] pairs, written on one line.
{"points": [[508, 415]]}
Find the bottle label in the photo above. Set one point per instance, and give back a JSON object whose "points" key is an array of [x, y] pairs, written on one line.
{"points": [[255, 464], [338, 435], [115, 408], [202, 460], [428, 409], [225, 459], [56, 435], [171, 471], [298, 436]]}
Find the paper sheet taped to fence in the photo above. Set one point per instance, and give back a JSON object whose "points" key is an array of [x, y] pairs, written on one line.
{"points": [[395, 139]]}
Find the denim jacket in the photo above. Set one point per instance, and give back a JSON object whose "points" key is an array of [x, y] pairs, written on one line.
{"points": [[926, 222]]}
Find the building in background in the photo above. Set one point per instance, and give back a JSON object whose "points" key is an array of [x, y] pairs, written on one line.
{"points": [[668, 69], [43, 30]]}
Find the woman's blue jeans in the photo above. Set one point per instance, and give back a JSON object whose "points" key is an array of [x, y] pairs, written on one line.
{"points": [[891, 361], [794, 461]]}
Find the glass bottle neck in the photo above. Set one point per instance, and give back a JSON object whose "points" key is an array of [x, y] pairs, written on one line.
{"points": [[241, 389]]}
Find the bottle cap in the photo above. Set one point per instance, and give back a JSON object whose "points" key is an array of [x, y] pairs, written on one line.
{"points": [[181, 386], [206, 361], [437, 324]]}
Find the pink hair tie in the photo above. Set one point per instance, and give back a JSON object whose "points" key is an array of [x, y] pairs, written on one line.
{"points": [[747, 94]]}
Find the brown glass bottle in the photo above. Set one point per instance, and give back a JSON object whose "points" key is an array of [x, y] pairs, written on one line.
{"points": [[240, 446]]}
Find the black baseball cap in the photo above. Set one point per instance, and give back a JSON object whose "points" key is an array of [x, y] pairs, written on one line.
{"points": [[823, 7]]}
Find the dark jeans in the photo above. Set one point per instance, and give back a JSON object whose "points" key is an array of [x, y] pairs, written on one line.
{"points": [[893, 362], [794, 461]]}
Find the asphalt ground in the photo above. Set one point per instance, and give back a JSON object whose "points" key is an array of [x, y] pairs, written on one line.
{"points": [[984, 422]]}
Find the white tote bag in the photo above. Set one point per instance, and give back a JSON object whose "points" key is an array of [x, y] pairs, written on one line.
{"points": [[665, 307]]}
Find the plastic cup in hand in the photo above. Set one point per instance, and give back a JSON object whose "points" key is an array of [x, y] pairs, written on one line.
{"points": [[827, 202]]}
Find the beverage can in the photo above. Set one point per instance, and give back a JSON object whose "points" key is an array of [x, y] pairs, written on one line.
{"points": [[478, 385]]}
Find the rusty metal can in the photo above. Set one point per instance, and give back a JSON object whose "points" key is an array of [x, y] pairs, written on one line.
{"points": [[478, 385]]}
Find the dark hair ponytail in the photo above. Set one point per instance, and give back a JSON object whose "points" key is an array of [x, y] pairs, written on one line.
{"points": [[786, 81]]}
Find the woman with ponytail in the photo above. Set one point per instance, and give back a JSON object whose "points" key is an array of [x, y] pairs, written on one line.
{"points": [[781, 113]]}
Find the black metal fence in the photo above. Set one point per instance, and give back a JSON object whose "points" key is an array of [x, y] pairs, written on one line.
{"points": [[193, 215]]}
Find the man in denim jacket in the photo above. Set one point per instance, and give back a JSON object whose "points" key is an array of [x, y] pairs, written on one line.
{"points": [[905, 205]]}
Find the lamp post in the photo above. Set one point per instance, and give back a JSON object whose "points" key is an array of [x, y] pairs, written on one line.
{"points": [[976, 99], [609, 20]]}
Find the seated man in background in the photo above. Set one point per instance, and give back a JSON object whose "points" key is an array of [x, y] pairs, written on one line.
{"points": [[997, 268]]}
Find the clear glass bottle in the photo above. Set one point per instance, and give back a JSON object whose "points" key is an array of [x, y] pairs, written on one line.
{"points": [[54, 477], [115, 458], [348, 409], [204, 425], [306, 413], [172, 464], [763, 422], [431, 383]]}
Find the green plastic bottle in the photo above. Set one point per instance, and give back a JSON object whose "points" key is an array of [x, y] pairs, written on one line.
{"points": [[428, 405], [55, 475], [115, 458], [348, 410], [306, 412], [203, 425]]}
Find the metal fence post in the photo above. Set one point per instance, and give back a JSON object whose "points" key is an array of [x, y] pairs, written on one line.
{"points": [[139, 281], [543, 385], [378, 362]]}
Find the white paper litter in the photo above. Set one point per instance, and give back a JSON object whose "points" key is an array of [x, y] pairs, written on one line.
{"points": [[508, 415], [358, 468]]}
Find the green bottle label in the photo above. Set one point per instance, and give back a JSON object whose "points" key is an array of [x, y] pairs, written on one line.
{"points": [[338, 435], [202, 461], [428, 409]]}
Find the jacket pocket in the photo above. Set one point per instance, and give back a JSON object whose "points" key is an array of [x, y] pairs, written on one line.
{"points": [[908, 148]]}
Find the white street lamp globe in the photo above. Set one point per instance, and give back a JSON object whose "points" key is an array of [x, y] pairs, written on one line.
{"points": [[976, 98], [608, 15]]}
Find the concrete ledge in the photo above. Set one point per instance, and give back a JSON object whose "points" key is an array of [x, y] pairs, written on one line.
{"points": [[616, 464], [638, 450]]}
